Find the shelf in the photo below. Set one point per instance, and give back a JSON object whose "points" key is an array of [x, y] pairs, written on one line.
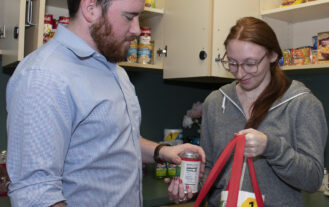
{"points": [[138, 65], [147, 11], [303, 67], [57, 3], [151, 12], [301, 12]]}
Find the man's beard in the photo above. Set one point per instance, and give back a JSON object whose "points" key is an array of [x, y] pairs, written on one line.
{"points": [[103, 36]]}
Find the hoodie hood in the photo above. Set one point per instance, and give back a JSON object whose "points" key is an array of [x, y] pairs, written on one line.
{"points": [[295, 90]]}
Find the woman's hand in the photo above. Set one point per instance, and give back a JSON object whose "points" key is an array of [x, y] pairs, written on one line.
{"points": [[256, 142], [176, 191]]}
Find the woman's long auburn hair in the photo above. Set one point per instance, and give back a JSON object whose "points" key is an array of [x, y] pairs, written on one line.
{"points": [[259, 32]]}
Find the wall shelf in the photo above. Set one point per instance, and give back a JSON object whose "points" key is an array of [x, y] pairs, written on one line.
{"points": [[138, 65], [151, 12], [57, 3], [301, 12], [305, 67]]}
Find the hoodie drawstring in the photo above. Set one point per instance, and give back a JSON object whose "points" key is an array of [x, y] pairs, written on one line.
{"points": [[223, 104]]}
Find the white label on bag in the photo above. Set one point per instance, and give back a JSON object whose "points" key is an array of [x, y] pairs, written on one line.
{"points": [[245, 199]]}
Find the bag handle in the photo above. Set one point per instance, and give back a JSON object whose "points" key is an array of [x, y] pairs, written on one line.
{"points": [[239, 142]]}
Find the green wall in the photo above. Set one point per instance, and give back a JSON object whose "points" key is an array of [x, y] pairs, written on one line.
{"points": [[164, 102]]}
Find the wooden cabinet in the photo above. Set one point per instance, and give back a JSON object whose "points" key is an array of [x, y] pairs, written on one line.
{"points": [[194, 26], [193, 31], [21, 33], [295, 25]]}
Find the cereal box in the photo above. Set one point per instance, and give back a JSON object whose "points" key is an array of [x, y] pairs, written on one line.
{"points": [[323, 47]]}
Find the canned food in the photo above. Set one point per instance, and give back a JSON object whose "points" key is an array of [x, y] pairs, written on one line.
{"points": [[144, 54], [64, 20], [171, 170], [132, 53], [189, 170], [160, 170]]}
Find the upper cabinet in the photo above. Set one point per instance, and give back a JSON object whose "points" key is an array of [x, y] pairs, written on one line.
{"points": [[20, 22], [188, 35], [296, 25], [194, 34]]}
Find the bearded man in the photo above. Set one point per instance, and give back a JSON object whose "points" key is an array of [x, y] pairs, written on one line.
{"points": [[74, 118]]}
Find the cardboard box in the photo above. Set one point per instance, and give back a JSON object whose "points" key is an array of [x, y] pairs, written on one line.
{"points": [[323, 47]]}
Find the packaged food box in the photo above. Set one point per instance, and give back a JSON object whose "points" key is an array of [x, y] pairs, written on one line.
{"points": [[314, 56], [323, 47], [287, 57], [291, 2]]}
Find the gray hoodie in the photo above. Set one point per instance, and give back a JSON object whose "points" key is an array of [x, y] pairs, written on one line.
{"points": [[296, 130]]}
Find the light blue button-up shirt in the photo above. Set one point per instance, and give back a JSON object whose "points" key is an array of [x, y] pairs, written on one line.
{"points": [[73, 129]]}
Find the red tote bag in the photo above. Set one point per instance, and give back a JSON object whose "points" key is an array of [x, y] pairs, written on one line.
{"points": [[233, 188]]}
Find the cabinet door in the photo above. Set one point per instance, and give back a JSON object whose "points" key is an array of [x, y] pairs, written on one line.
{"points": [[12, 15], [192, 26], [226, 13], [187, 31]]}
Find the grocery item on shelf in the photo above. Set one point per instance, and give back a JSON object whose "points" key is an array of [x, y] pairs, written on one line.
{"points": [[144, 48], [144, 54], [314, 56], [132, 52], [291, 2], [323, 47], [48, 28], [50, 25], [145, 36], [287, 57], [150, 3], [317, 53], [63, 20]]}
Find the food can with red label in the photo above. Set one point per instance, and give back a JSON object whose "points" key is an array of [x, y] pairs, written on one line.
{"points": [[189, 170], [64, 20]]}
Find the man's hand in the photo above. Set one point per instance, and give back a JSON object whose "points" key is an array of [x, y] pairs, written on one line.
{"points": [[171, 154]]}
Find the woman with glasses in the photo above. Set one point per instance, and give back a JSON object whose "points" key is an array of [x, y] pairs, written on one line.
{"points": [[284, 123]]}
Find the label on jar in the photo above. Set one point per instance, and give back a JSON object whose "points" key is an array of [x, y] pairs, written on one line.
{"points": [[171, 168], [144, 54], [160, 170], [132, 53], [145, 36], [189, 170]]}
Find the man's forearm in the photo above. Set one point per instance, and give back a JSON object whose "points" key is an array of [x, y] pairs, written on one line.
{"points": [[147, 150]]}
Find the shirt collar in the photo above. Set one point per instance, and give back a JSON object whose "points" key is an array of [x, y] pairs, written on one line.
{"points": [[73, 42]]}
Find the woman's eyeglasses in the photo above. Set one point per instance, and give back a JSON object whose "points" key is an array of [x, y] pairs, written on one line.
{"points": [[248, 67]]}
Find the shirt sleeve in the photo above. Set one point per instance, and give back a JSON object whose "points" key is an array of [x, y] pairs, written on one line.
{"points": [[301, 164], [39, 128]]}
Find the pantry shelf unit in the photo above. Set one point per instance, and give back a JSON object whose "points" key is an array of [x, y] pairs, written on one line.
{"points": [[305, 67], [138, 65], [300, 12]]}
